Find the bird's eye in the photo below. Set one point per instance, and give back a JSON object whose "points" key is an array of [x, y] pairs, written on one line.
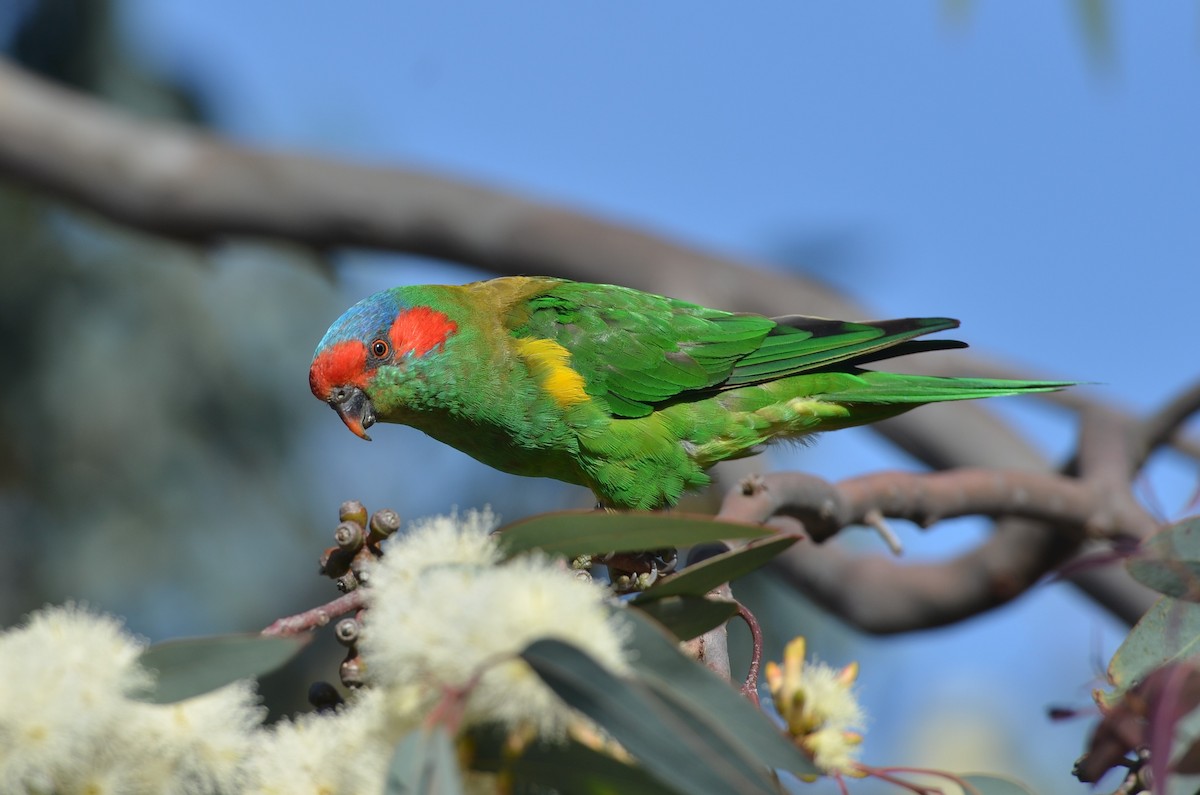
{"points": [[380, 349]]}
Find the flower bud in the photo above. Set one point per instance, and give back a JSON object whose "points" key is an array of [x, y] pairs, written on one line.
{"points": [[353, 672], [383, 524], [346, 631], [353, 511], [349, 536]]}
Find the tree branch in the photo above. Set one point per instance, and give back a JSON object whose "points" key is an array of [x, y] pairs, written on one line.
{"points": [[929, 497], [1163, 425], [878, 595]]}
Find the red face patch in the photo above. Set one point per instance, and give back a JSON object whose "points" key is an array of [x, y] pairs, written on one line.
{"points": [[419, 330], [344, 364]]}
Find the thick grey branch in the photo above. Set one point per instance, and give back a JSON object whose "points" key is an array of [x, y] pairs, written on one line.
{"points": [[926, 498], [879, 595]]}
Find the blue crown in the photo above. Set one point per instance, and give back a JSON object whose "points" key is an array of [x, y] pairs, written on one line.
{"points": [[368, 318]]}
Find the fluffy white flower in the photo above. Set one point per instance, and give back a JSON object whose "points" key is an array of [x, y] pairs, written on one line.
{"points": [[440, 620], [64, 676], [444, 609], [340, 753], [192, 747], [440, 540], [68, 724], [819, 707]]}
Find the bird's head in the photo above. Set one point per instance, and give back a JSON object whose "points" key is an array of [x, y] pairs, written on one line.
{"points": [[380, 332]]}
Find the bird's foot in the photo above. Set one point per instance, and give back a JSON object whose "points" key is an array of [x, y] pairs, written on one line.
{"points": [[637, 571]]}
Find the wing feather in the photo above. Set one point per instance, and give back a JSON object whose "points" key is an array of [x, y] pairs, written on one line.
{"points": [[637, 350]]}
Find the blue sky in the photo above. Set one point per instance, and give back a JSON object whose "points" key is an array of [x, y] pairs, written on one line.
{"points": [[975, 163], [995, 172]]}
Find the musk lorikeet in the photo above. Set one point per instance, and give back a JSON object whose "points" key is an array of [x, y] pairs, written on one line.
{"points": [[631, 394]]}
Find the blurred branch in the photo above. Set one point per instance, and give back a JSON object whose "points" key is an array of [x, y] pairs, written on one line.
{"points": [[178, 182], [878, 595], [824, 509], [1163, 425]]}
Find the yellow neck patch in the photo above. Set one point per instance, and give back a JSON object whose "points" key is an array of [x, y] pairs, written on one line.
{"points": [[550, 364]]}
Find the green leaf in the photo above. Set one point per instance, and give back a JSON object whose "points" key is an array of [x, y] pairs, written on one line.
{"points": [[688, 616], [668, 671], [193, 666], [698, 580], [987, 784], [575, 769], [1169, 561], [424, 763], [1169, 631], [572, 533], [702, 758]]}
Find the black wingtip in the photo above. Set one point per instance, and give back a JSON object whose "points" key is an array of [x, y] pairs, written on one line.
{"points": [[908, 348], [824, 327]]}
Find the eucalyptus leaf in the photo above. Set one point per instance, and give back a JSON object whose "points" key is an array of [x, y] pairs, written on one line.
{"points": [[575, 769], [194, 666], [424, 763], [573, 533], [703, 759], [1169, 631], [701, 578], [688, 616], [664, 668], [1169, 561]]}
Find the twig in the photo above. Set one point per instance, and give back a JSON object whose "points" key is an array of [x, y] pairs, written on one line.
{"points": [[750, 686], [318, 616], [875, 519]]}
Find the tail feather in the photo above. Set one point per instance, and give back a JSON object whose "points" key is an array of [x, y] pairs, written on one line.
{"points": [[888, 388]]}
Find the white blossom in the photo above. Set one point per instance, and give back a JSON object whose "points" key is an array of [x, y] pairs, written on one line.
{"points": [[441, 623], [344, 752], [70, 720]]}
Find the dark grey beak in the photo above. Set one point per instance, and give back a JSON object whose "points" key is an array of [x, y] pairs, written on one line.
{"points": [[355, 409]]}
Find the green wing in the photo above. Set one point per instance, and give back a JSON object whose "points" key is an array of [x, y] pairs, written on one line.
{"points": [[637, 350]]}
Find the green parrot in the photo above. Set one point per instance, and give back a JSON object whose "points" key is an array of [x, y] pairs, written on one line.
{"points": [[631, 394]]}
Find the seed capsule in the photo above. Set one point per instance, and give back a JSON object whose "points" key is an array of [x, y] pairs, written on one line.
{"points": [[353, 672], [346, 631], [384, 523], [353, 511], [349, 536]]}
